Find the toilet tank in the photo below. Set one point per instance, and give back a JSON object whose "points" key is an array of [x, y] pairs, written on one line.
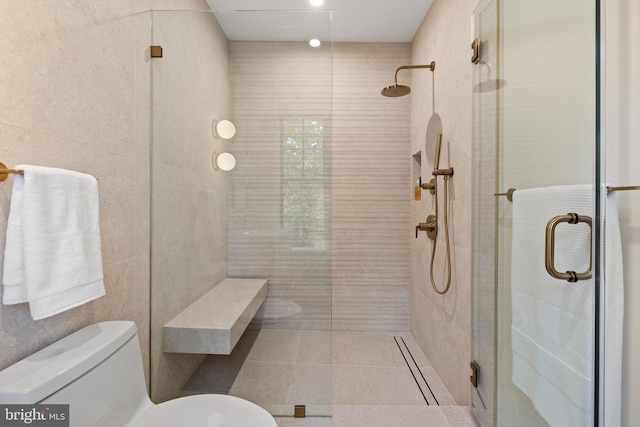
{"points": [[97, 371]]}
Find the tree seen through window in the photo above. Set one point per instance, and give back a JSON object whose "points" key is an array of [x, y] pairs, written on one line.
{"points": [[303, 218]]}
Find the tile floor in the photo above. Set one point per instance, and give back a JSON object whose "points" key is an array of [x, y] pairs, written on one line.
{"points": [[359, 379]]}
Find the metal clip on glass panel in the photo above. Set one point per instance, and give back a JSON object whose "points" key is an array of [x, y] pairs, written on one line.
{"points": [[571, 218]]}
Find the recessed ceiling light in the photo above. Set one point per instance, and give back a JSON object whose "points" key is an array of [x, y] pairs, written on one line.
{"points": [[314, 42], [316, 2]]}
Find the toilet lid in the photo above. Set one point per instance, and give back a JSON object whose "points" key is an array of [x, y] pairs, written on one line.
{"points": [[206, 410]]}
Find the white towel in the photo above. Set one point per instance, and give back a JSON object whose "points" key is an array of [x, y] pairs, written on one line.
{"points": [[552, 320], [53, 257]]}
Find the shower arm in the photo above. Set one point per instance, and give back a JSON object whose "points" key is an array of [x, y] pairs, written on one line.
{"points": [[431, 66]]}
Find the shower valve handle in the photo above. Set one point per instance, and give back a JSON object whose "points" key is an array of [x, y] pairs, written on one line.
{"points": [[431, 185], [430, 227]]}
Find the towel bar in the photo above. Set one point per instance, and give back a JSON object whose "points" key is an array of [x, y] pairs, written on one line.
{"points": [[509, 194], [4, 172], [624, 188], [510, 191]]}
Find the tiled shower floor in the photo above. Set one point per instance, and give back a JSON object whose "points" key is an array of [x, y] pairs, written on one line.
{"points": [[360, 379]]}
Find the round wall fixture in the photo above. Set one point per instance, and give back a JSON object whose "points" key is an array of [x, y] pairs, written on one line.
{"points": [[223, 161], [225, 129]]}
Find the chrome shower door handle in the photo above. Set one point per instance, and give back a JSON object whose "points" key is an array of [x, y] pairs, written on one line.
{"points": [[571, 218]]}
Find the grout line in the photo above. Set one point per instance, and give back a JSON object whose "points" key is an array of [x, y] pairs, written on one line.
{"points": [[419, 370], [410, 370]]}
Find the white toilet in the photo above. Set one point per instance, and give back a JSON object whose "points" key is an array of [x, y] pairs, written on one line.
{"points": [[98, 372]]}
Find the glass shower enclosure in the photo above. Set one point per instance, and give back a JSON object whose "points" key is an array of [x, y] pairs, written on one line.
{"points": [[267, 218], [536, 132]]}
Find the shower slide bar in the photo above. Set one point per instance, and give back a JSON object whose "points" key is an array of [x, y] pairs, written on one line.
{"points": [[611, 189]]}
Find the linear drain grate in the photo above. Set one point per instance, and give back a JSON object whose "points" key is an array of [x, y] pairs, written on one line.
{"points": [[416, 372]]}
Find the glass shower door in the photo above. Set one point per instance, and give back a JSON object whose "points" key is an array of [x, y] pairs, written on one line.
{"points": [[535, 129]]}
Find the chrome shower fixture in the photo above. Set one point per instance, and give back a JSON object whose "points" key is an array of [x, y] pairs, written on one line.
{"points": [[401, 90]]}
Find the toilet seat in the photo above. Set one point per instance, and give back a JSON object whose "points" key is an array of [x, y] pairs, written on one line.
{"points": [[205, 410]]}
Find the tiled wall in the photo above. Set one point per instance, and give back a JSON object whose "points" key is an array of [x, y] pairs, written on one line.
{"points": [[441, 323], [366, 273], [189, 198], [75, 95], [371, 189], [272, 84]]}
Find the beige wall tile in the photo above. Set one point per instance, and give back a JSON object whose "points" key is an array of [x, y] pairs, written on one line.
{"points": [[189, 200], [441, 323], [370, 189], [74, 97]]}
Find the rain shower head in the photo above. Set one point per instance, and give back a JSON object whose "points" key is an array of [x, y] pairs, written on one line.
{"points": [[396, 90], [400, 90]]}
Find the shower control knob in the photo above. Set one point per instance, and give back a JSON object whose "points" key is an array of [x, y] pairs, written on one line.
{"points": [[431, 185], [430, 227]]}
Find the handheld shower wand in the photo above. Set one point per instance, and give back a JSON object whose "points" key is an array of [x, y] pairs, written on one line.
{"points": [[436, 162], [446, 173]]}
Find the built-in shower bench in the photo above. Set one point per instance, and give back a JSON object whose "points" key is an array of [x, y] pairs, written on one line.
{"points": [[214, 323]]}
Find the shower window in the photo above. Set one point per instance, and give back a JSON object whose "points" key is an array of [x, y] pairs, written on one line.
{"points": [[303, 210]]}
